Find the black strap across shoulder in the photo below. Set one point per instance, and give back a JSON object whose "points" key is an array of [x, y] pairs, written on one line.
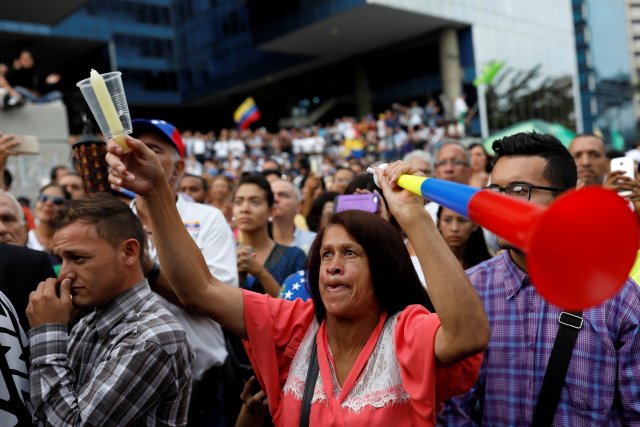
{"points": [[570, 324], [309, 386]]}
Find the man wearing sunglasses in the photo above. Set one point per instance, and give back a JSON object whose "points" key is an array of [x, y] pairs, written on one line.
{"points": [[600, 384]]}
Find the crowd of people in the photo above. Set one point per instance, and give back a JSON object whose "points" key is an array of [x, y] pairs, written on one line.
{"points": [[20, 83], [220, 283]]}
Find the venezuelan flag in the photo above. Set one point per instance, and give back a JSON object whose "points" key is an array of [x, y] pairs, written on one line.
{"points": [[246, 113]]}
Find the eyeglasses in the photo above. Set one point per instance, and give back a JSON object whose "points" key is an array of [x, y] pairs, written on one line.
{"points": [[521, 190], [54, 199], [454, 162]]}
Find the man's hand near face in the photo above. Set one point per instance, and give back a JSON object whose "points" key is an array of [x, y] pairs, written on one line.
{"points": [[46, 307]]}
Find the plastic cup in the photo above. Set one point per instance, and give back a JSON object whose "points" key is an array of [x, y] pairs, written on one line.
{"points": [[113, 81]]}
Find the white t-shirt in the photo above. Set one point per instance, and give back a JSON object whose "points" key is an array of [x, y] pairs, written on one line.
{"points": [[236, 147], [222, 149], [33, 242], [209, 229]]}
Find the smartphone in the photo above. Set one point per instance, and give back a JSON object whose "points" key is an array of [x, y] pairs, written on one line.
{"points": [[627, 165], [369, 202], [28, 144], [623, 164]]}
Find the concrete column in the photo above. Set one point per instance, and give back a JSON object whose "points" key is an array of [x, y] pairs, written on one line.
{"points": [[450, 70], [362, 92]]}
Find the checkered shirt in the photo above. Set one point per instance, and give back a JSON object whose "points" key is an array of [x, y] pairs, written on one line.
{"points": [[602, 386], [127, 363]]}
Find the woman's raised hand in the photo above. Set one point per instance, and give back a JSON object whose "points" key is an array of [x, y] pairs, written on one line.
{"points": [[138, 170], [403, 204]]}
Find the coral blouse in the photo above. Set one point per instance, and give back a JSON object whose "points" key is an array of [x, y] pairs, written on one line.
{"points": [[396, 379]]}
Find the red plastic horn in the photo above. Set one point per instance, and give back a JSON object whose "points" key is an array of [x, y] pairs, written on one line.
{"points": [[579, 250]]}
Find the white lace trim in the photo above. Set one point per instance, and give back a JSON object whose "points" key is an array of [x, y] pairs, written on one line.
{"points": [[379, 385]]}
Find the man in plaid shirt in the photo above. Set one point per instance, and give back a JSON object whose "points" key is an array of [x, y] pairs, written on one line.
{"points": [[128, 362], [601, 384]]}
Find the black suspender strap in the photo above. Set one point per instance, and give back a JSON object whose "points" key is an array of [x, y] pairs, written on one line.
{"points": [[570, 324], [309, 386]]}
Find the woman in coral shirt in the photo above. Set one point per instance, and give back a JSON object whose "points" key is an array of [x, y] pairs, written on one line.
{"points": [[383, 358]]}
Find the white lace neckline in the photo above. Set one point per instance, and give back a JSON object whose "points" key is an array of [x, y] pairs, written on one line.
{"points": [[379, 384]]}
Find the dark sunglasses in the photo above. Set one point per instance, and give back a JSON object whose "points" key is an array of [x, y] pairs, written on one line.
{"points": [[54, 199]]}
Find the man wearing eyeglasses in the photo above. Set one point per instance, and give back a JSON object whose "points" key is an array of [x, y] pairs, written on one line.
{"points": [[453, 163], [600, 385]]}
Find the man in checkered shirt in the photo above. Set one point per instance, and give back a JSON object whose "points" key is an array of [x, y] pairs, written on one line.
{"points": [[128, 361]]}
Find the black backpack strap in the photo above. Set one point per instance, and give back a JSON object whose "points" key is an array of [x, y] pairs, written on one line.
{"points": [[309, 386], [570, 324]]}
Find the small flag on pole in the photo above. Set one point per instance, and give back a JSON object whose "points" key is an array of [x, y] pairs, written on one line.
{"points": [[488, 73], [246, 113]]}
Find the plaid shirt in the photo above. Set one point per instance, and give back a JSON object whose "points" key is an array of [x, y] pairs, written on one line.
{"points": [[602, 386], [128, 362]]}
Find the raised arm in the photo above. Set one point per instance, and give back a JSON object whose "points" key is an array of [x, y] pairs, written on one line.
{"points": [[181, 259], [7, 142], [464, 327]]}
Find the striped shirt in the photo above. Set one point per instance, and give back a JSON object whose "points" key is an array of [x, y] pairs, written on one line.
{"points": [[127, 363], [602, 386]]}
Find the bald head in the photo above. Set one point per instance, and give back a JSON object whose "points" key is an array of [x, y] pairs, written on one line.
{"points": [[589, 154]]}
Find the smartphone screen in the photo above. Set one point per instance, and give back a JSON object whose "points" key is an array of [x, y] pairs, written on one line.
{"points": [[361, 202], [29, 144]]}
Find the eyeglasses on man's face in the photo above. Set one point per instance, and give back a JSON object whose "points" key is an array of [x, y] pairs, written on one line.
{"points": [[521, 190], [454, 162]]}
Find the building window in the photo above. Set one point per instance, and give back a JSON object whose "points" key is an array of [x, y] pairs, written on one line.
{"points": [[592, 82]]}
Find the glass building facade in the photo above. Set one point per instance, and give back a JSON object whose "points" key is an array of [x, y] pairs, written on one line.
{"points": [[292, 56], [604, 68]]}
